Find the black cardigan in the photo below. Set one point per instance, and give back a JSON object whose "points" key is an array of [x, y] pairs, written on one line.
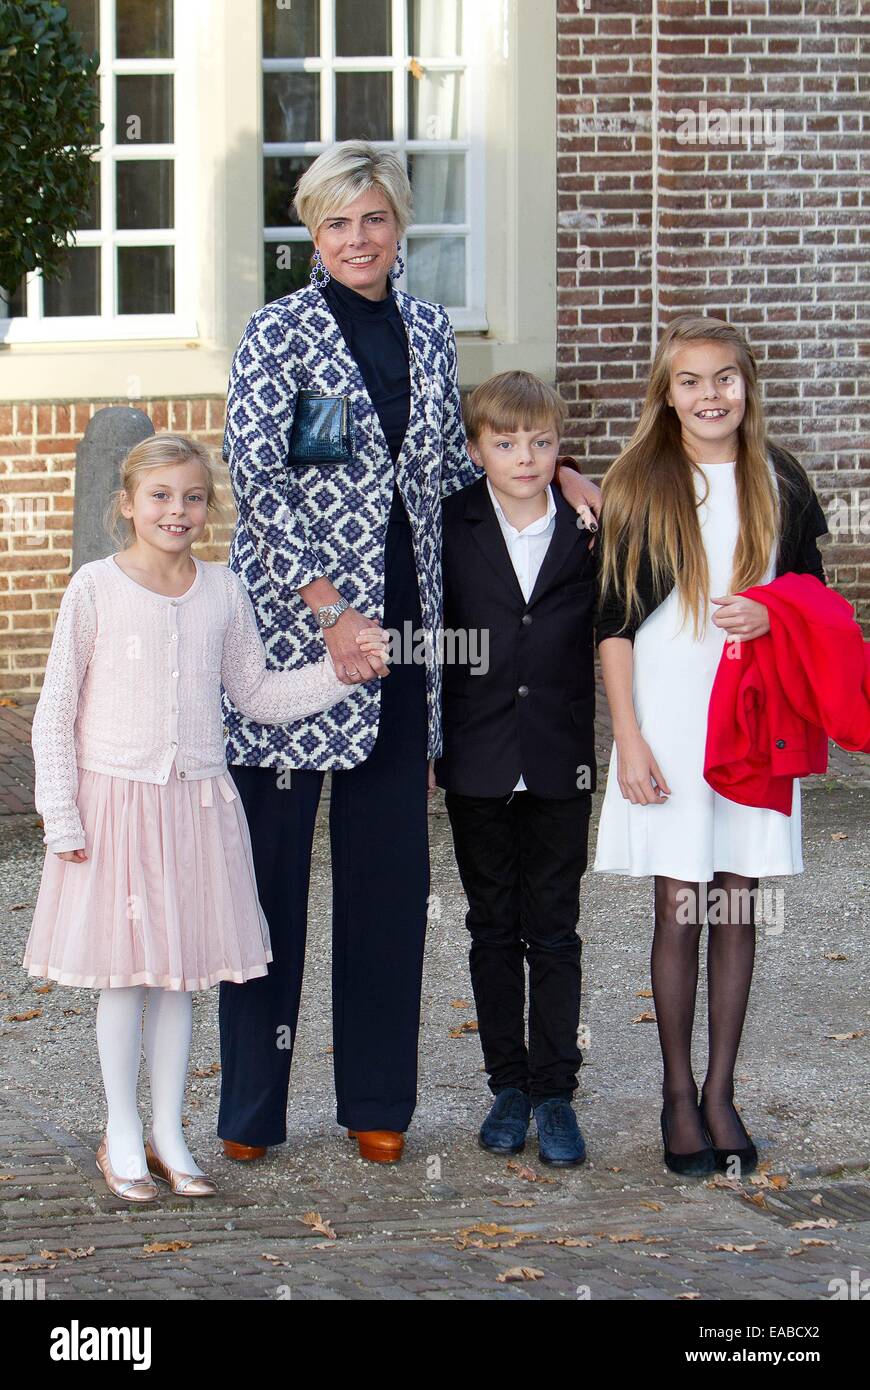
{"points": [[802, 521]]}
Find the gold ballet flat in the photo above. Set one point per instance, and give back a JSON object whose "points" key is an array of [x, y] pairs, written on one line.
{"points": [[184, 1184], [128, 1189]]}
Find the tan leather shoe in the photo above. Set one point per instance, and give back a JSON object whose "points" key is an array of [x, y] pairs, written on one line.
{"points": [[379, 1145], [243, 1153], [184, 1184], [128, 1189]]}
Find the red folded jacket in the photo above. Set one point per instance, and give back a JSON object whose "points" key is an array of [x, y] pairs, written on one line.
{"points": [[777, 699]]}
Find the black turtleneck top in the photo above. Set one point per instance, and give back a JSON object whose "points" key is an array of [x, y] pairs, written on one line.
{"points": [[375, 335]]}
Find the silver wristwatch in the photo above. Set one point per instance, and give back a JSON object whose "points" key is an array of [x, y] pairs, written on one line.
{"points": [[329, 614]]}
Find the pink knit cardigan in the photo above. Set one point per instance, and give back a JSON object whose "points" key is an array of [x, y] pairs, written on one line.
{"points": [[133, 684]]}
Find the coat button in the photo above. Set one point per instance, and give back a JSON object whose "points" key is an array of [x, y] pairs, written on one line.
{"points": [[182, 774], [523, 690], [780, 743], [527, 620]]}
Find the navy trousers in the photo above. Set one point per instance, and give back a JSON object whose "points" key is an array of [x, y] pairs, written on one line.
{"points": [[380, 885]]}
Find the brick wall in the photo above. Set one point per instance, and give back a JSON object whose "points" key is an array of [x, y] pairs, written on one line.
{"points": [[769, 233], [37, 487]]}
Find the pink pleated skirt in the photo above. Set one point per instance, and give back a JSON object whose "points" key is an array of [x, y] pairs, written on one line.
{"points": [[166, 897]]}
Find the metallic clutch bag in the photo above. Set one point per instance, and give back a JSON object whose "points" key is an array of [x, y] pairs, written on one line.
{"points": [[321, 429]]}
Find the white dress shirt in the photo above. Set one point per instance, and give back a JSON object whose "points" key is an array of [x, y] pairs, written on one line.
{"points": [[526, 549]]}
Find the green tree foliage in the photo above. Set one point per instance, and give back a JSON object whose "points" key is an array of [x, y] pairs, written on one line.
{"points": [[49, 126]]}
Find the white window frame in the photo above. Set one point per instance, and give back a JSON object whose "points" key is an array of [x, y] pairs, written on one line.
{"points": [[109, 325], [471, 317]]}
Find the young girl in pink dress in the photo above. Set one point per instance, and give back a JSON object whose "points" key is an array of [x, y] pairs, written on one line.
{"points": [[148, 887]]}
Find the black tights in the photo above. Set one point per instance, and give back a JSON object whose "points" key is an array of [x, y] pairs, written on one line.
{"points": [[679, 915]]}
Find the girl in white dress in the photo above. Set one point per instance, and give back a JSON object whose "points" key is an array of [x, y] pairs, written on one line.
{"points": [[696, 508], [148, 886]]}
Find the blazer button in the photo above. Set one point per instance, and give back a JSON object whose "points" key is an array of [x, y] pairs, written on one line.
{"points": [[780, 743], [523, 690], [527, 619], [182, 774]]}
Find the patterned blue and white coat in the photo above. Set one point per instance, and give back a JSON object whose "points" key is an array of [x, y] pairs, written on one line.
{"points": [[298, 523]]}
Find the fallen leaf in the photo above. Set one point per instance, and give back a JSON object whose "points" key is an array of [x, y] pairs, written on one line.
{"points": [[824, 1223], [469, 1026], [17, 1255], [523, 1171], [320, 1224], [166, 1247], [643, 994], [415, 69], [779, 1181], [818, 1200], [22, 1018], [573, 1241], [644, 1018], [18, 907], [846, 1037], [614, 1170], [44, 989], [10, 1177], [834, 955], [757, 1199], [487, 1228], [622, 1238], [740, 1249], [211, 1070], [67, 1254], [518, 1202], [720, 1180], [459, 1004], [519, 1274], [838, 835], [657, 1254], [9, 704], [652, 1206], [814, 1240], [687, 1296], [67, 1013]]}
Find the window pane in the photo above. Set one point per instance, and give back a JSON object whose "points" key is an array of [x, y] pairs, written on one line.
{"points": [[434, 28], [280, 177], [144, 110], [84, 20], [287, 267], [291, 107], [436, 269], [146, 279], [90, 220], [15, 307], [436, 106], [78, 291], [293, 32], [145, 196], [363, 28], [143, 29], [438, 184], [363, 106]]}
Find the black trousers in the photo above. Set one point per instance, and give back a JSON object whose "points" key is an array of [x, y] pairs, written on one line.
{"points": [[521, 858], [380, 885]]}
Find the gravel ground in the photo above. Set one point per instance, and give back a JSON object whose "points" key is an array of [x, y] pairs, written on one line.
{"points": [[803, 1093]]}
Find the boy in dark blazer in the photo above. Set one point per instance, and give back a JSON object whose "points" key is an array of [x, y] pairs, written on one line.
{"points": [[518, 759]]}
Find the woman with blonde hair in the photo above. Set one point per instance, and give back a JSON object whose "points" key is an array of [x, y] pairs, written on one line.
{"points": [[698, 506], [344, 431]]}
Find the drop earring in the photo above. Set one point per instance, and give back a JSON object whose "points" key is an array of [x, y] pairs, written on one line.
{"points": [[397, 269], [320, 276]]}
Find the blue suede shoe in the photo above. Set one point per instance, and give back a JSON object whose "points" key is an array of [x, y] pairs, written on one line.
{"points": [[505, 1127], [559, 1139]]}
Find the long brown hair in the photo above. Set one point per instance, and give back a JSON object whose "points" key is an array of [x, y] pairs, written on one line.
{"points": [[649, 490]]}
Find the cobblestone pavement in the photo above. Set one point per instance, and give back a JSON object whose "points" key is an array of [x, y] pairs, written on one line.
{"points": [[621, 1228]]}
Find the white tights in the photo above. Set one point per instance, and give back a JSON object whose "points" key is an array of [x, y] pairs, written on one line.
{"points": [[168, 1019]]}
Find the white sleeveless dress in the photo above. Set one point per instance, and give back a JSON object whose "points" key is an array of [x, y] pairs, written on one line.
{"points": [[696, 832]]}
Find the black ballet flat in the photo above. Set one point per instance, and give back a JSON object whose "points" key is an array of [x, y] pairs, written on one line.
{"points": [[747, 1157], [698, 1164]]}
